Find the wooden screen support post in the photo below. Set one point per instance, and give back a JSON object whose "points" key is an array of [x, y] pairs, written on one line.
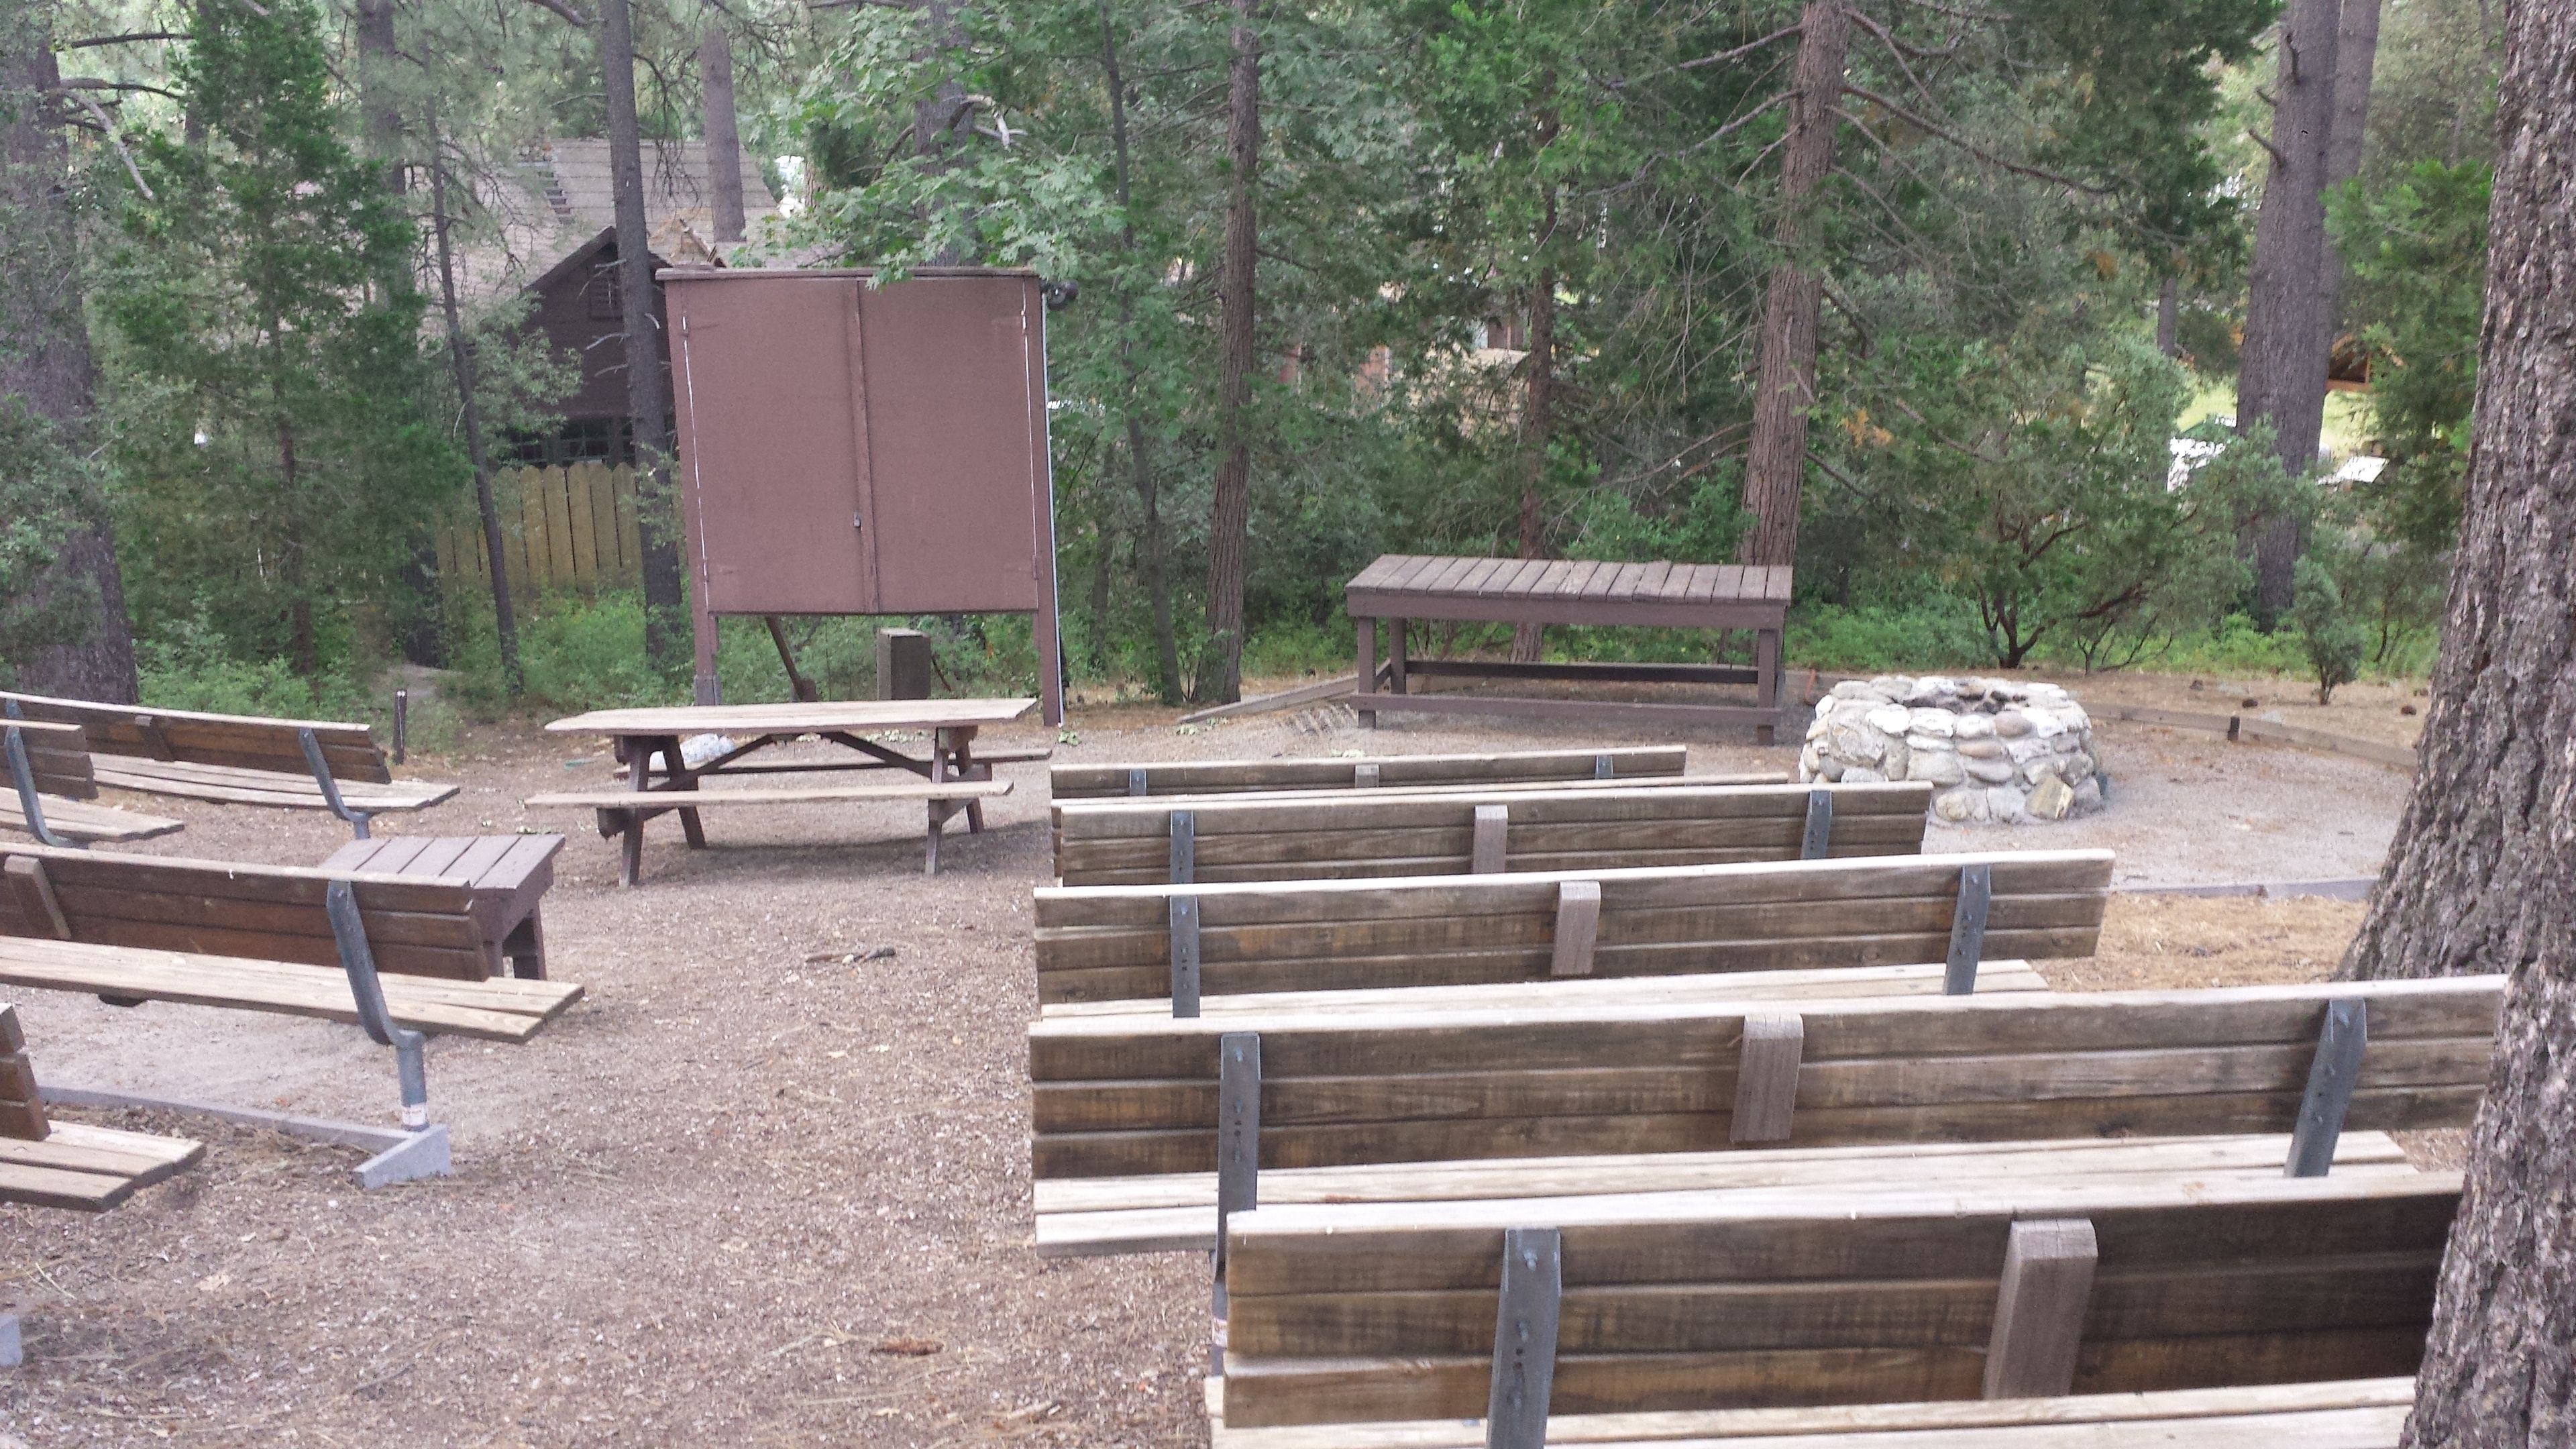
{"points": [[2039, 1309], [1185, 956], [1766, 1076], [1968, 928], [2332, 1075], [1493, 823], [1525, 1322], [1820, 825], [1578, 925], [1364, 777], [1185, 847], [799, 688]]}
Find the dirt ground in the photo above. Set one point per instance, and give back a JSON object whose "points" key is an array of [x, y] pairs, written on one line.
{"points": [[768, 1184]]}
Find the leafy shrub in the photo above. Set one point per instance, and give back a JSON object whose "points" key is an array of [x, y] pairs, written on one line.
{"points": [[2332, 638]]}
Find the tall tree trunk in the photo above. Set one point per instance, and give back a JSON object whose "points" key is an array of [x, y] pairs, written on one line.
{"points": [[666, 634], [942, 119], [1776, 463], [1150, 547], [460, 356], [2356, 56], [1231, 514], [1538, 405], [2169, 317], [2483, 875], [2281, 377], [45, 357], [724, 135], [380, 110]]}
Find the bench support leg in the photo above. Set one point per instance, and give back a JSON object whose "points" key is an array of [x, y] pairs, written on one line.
{"points": [[1367, 630], [525, 948], [420, 1154], [1819, 839], [2331, 1078], [404, 1156], [1486, 846], [350, 934], [1968, 929], [321, 769], [1525, 1322], [1183, 827], [12, 1352], [23, 776], [2039, 1309], [1185, 955], [1766, 681], [1578, 924], [1238, 1157]]}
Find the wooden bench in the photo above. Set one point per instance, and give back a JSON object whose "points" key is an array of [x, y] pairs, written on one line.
{"points": [[1624, 764], [1410, 1105], [2338, 1414], [623, 812], [1182, 943], [68, 1164], [507, 874], [1775, 1299], [53, 793], [1361, 834], [236, 759], [401, 956]]}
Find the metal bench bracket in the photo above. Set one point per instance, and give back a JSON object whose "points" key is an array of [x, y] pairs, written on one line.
{"points": [[1525, 1322], [1820, 825], [1364, 777], [1601, 767], [350, 933], [1135, 782], [1185, 847], [2333, 1074], [23, 775], [1968, 928], [1238, 1130], [321, 769], [1185, 956]]}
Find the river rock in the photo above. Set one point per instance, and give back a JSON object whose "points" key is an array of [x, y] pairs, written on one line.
{"points": [[2050, 798]]}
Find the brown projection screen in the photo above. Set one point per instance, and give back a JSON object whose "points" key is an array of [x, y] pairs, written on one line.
{"points": [[848, 448]]}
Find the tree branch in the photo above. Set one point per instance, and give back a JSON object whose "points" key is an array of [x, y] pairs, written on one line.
{"points": [[1972, 148], [91, 83], [130, 37], [571, 16], [1895, 53], [1989, 16], [2277, 158], [108, 129], [1747, 48]]}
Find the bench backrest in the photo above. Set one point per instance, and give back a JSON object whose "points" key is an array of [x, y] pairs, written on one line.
{"points": [[1263, 838], [1137, 1095], [1764, 1299], [242, 741], [57, 757], [1112, 943], [22, 1108], [221, 908], [1219, 777]]}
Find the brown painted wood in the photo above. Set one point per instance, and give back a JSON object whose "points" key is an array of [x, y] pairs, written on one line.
{"points": [[249, 741], [1208, 777]]}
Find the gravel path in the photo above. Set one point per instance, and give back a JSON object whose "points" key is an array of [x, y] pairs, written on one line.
{"points": [[769, 1184]]}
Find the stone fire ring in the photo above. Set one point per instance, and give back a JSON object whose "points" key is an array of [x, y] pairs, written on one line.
{"points": [[1996, 751]]}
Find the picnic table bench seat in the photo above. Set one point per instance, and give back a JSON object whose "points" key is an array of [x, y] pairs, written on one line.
{"points": [[1354, 833], [2336, 1414], [236, 759], [1625, 764], [51, 781], [72, 1165], [1104, 943], [1786, 1298]]}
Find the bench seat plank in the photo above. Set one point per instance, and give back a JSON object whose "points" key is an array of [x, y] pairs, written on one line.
{"points": [[89, 1169], [2337, 1414], [88, 821], [822, 794], [1082, 1217], [500, 1009], [1202, 777], [234, 785]]}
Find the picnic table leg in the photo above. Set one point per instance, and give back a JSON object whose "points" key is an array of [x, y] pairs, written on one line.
{"points": [[637, 756], [525, 947], [676, 770], [1367, 665], [1766, 679], [1396, 657], [958, 743]]}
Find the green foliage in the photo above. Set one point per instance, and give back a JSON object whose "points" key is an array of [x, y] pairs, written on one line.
{"points": [[2332, 640], [188, 663], [45, 495], [272, 429]]}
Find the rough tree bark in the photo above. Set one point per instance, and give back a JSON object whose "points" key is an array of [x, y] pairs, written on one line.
{"points": [[45, 356], [1776, 463], [665, 632], [2483, 876], [723, 132], [1538, 406], [460, 356], [2281, 378], [1152, 551], [2356, 56], [2169, 317], [1230, 517]]}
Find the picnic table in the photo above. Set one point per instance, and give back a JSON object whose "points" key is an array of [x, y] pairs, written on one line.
{"points": [[648, 744], [1401, 586]]}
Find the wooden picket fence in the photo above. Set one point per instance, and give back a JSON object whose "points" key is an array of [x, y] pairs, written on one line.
{"points": [[561, 528]]}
